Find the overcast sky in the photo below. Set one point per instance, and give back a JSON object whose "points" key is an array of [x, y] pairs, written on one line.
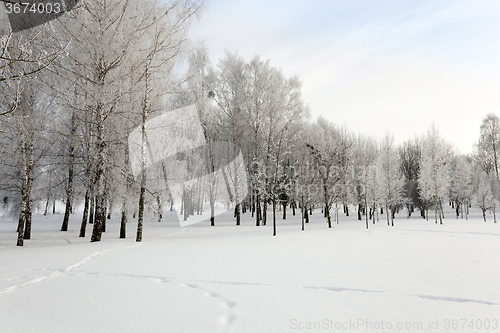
{"points": [[375, 66]]}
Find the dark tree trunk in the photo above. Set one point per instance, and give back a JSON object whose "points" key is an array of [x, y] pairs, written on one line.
{"points": [[141, 215], [160, 208], [258, 214], [48, 194], [29, 196], [24, 198], [100, 198], [237, 213], [274, 217], [22, 218], [123, 222], [306, 213], [264, 213], [110, 209], [91, 210], [302, 211], [83, 226], [69, 189], [29, 186]]}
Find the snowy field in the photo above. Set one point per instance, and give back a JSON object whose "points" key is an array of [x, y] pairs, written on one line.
{"points": [[414, 277]]}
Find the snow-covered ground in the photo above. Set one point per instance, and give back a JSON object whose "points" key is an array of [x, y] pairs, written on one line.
{"points": [[414, 277]]}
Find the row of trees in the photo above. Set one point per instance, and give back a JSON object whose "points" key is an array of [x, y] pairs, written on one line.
{"points": [[65, 122], [66, 134]]}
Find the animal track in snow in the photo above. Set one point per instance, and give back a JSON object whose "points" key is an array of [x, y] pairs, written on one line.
{"points": [[337, 289], [456, 299], [64, 271], [228, 319]]}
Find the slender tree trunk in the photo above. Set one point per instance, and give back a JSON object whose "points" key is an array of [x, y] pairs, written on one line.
{"points": [[375, 211], [328, 217], [123, 221], [45, 211], [49, 192], [258, 211], [392, 216], [29, 189], [83, 226], [366, 212], [91, 209], [100, 197], [141, 215], [106, 200], [237, 211], [264, 212], [22, 212], [22, 218], [302, 211], [160, 208], [140, 220], [69, 193], [69, 189], [441, 211], [274, 215], [306, 212]]}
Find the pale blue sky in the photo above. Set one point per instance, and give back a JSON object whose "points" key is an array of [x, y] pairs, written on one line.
{"points": [[374, 66]]}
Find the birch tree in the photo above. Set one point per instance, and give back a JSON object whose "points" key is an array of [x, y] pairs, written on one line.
{"points": [[328, 151], [434, 177], [461, 172], [483, 197], [391, 182], [487, 148]]}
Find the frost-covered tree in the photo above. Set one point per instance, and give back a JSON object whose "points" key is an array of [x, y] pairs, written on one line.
{"points": [[26, 53], [487, 148], [364, 158], [24, 136], [434, 177], [461, 172], [410, 154], [329, 147], [116, 48], [495, 192], [200, 80], [483, 197], [391, 182]]}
